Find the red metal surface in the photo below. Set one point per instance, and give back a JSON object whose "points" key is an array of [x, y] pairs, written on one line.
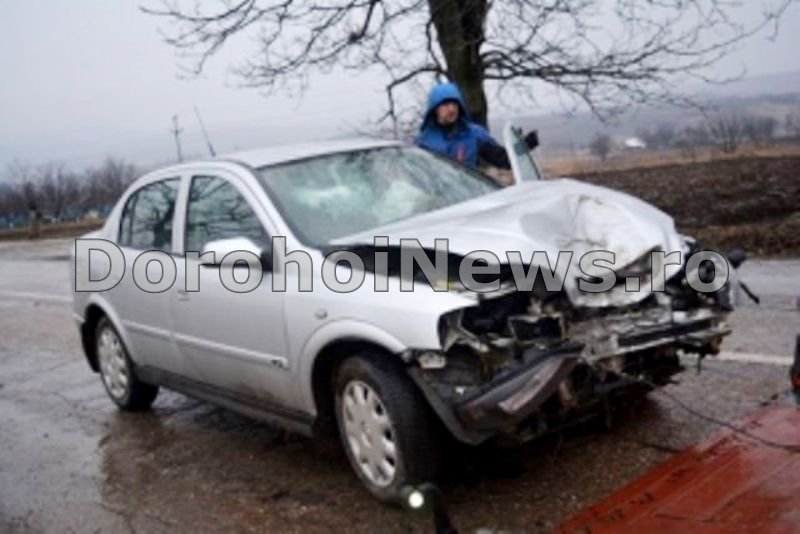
{"points": [[796, 379], [728, 483]]}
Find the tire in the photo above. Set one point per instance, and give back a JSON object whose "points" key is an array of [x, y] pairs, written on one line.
{"points": [[393, 411], [117, 372]]}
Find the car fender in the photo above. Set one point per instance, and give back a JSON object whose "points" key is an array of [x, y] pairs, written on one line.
{"points": [[331, 332], [96, 299]]}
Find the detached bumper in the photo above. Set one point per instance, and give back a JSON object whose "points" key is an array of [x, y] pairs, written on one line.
{"points": [[506, 400], [511, 399]]}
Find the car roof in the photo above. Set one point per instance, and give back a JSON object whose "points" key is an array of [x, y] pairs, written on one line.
{"points": [[277, 155], [263, 157]]}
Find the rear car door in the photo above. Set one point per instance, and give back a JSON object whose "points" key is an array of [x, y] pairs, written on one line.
{"points": [[147, 224], [237, 341]]}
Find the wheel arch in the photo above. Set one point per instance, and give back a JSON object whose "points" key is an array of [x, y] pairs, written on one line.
{"points": [[94, 311], [325, 365], [325, 351]]}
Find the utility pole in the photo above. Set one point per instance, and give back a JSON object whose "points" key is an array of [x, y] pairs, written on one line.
{"points": [[176, 132]]}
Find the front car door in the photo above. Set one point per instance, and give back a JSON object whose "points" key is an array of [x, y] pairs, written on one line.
{"points": [[236, 341], [523, 164]]}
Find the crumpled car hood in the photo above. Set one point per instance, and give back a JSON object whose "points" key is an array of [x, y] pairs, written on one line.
{"points": [[550, 216]]}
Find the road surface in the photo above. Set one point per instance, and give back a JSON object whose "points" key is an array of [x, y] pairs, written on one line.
{"points": [[71, 462]]}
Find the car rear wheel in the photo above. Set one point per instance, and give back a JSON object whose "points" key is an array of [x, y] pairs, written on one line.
{"points": [[388, 432], [117, 373]]}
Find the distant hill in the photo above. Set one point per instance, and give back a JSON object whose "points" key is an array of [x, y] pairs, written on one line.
{"points": [[773, 95], [769, 84]]}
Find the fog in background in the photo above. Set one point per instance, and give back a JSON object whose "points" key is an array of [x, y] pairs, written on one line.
{"points": [[82, 80]]}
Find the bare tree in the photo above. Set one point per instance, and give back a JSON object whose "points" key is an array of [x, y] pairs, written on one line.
{"points": [[52, 189], [58, 189], [601, 146], [104, 184], [28, 196], [759, 130], [23, 178], [726, 132], [12, 205], [792, 124], [606, 54], [660, 137], [690, 139]]}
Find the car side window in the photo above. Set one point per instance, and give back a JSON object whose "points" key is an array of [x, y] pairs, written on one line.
{"points": [[148, 215], [216, 210]]}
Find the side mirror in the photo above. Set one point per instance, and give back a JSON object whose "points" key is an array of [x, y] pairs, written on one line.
{"points": [[532, 139], [223, 247]]}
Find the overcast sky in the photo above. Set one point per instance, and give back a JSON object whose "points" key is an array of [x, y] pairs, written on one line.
{"points": [[83, 79]]}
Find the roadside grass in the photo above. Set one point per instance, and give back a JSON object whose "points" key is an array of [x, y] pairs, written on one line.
{"points": [[52, 230]]}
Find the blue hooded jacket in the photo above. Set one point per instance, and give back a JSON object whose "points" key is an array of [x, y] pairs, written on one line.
{"points": [[461, 142]]}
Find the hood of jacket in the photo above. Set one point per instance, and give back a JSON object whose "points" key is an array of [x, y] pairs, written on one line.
{"points": [[439, 94]]}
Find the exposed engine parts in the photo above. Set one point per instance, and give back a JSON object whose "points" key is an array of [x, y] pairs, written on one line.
{"points": [[517, 363]]}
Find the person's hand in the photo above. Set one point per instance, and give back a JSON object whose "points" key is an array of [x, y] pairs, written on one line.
{"points": [[532, 139]]}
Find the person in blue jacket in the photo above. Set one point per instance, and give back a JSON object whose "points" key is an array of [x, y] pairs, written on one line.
{"points": [[448, 130]]}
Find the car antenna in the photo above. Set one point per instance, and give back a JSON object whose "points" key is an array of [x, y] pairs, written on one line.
{"points": [[205, 133]]}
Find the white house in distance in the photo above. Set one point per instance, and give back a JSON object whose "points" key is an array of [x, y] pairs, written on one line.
{"points": [[634, 143]]}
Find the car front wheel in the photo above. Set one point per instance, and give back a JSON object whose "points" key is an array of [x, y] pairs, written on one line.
{"points": [[388, 432], [116, 371]]}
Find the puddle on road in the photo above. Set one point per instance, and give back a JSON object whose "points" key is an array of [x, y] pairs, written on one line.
{"points": [[208, 468]]}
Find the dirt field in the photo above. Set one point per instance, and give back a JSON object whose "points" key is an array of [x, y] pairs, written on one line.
{"points": [[749, 203], [572, 164]]}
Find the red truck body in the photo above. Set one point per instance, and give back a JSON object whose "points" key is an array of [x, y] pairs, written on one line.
{"points": [[728, 483]]}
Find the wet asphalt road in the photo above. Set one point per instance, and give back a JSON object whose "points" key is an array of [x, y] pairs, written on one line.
{"points": [[70, 462]]}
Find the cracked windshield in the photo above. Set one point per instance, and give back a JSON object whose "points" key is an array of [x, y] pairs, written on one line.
{"points": [[335, 196]]}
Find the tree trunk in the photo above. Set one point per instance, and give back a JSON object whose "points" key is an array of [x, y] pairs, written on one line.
{"points": [[459, 29]]}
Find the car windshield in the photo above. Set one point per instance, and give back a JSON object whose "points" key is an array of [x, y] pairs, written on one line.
{"points": [[333, 196]]}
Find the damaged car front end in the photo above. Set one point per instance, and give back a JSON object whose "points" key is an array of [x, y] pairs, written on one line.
{"points": [[521, 364], [518, 362]]}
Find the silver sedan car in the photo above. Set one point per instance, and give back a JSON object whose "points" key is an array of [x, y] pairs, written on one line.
{"points": [[230, 290]]}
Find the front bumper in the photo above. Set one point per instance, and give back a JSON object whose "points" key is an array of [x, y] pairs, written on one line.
{"points": [[510, 399], [506, 400], [516, 393]]}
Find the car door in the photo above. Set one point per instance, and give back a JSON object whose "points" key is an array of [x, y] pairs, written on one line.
{"points": [[523, 164], [147, 224], [237, 341]]}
